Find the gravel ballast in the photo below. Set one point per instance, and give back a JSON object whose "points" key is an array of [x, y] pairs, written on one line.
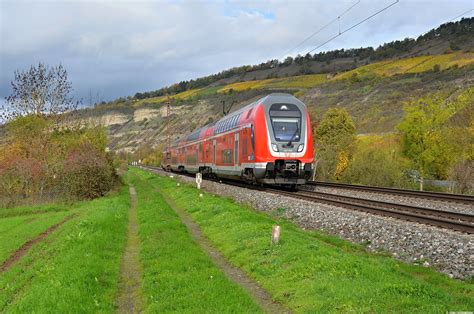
{"points": [[448, 251], [413, 201]]}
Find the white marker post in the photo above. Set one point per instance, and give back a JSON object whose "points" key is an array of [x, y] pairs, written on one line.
{"points": [[198, 180], [275, 235]]}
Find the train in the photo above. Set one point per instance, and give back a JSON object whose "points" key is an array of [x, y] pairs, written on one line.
{"points": [[267, 142]]}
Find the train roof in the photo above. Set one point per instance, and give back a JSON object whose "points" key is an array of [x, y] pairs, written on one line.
{"points": [[266, 100]]}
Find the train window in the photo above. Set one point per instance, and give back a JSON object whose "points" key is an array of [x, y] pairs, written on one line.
{"points": [[286, 122], [227, 155]]}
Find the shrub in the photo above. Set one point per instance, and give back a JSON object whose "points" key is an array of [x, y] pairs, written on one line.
{"points": [[373, 165], [463, 174], [88, 173]]}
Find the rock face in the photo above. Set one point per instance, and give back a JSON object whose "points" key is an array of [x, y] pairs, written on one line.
{"points": [[133, 127], [146, 114], [110, 119]]}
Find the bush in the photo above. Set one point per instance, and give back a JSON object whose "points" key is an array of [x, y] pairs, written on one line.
{"points": [[88, 173], [377, 161], [41, 163], [463, 174]]}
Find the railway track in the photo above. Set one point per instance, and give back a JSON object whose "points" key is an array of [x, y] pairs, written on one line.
{"points": [[445, 219], [466, 199], [461, 222]]}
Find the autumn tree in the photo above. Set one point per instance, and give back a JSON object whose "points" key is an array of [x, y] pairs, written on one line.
{"points": [[425, 136], [43, 157], [335, 138], [41, 90], [461, 137], [377, 161]]}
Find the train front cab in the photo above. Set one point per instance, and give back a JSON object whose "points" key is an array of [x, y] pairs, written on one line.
{"points": [[285, 154]]}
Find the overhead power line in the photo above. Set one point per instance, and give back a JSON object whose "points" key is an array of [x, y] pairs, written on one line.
{"points": [[354, 26], [320, 29]]}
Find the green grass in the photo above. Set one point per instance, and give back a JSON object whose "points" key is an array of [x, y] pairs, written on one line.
{"points": [[177, 275], [35, 209], [313, 272], [15, 231], [76, 268]]}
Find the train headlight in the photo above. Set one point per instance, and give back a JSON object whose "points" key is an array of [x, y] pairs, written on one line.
{"points": [[275, 147], [300, 148]]}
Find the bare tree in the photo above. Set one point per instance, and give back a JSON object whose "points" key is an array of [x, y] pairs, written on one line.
{"points": [[41, 90]]}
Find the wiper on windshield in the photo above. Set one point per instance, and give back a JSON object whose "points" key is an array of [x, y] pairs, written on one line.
{"points": [[294, 134]]}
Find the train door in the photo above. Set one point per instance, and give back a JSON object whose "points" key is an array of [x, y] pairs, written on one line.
{"points": [[214, 161], [236, 150]]}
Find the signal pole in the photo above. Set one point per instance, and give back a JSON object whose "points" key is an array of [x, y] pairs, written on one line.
{"points": [[168, 128]]}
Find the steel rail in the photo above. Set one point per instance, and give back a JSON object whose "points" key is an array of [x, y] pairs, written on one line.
{"points": [[467, 199], [403, 215], [439, 218], [403, 207]]}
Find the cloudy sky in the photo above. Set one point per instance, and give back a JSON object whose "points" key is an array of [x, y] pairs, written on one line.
{"points": [[118, 48]]}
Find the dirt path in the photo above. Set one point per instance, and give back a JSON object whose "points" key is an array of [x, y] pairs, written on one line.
{"points": [[130, 298], [262, 297], [15, 257]]}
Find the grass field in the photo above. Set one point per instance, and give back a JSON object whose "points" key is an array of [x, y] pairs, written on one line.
{"points": [[15, 231], [312, 272], [76, 268], [177, 275]]}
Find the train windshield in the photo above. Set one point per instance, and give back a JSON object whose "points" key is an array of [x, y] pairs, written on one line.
{"points": [[286, 122]]}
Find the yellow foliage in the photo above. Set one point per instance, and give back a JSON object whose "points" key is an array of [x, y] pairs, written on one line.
{"points": [[342, 163], [160, 99], [300, 81], [380, 69], [241, 86], [411, 65]]}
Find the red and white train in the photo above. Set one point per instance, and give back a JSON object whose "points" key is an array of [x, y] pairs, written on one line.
{"points": [[268, 142]]}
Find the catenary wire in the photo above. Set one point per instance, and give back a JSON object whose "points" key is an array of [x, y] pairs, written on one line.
{"points": [[354, 26], [320, 29]]}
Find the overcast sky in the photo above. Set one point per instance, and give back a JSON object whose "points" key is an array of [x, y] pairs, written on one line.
{"points": [[118, 48]]}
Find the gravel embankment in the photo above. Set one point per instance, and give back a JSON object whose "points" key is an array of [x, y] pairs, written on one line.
{"points": [[448, 251], [414, 201]]}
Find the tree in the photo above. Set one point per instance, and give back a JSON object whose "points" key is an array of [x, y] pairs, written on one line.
{"points": [[424, 138], [335, 141], [377, 160], [41, 90]]}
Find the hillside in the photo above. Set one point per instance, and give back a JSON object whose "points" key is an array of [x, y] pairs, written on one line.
{"points": [[372, 84], [373, 94]]}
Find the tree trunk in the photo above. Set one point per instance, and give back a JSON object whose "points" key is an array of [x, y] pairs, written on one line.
{"points": [[421, 183], [314, 170]]}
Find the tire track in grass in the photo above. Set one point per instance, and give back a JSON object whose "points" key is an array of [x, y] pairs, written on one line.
{"points": [[261, 297], [130, 297], [20, 252]]}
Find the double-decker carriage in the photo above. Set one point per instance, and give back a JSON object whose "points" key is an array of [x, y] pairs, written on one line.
{"points": [[268, 141]]}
